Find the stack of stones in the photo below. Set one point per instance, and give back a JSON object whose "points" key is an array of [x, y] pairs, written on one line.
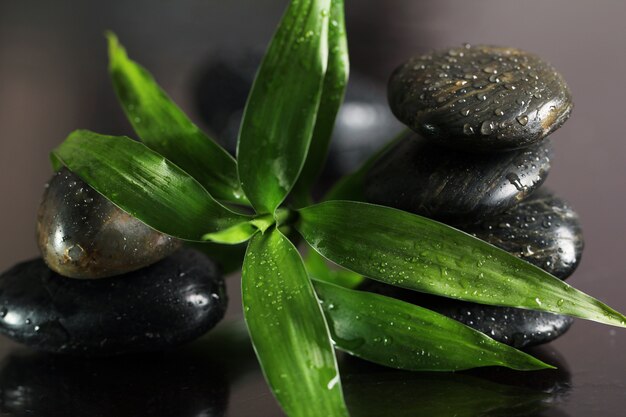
{"points": [[482, 116], [106, 284]]}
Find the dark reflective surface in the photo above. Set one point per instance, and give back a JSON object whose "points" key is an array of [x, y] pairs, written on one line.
{"points": [[53, 80], [195, 381], [183, 385], [377, 391]]}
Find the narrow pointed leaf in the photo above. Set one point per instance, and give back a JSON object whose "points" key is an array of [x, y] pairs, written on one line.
{"points": [[145, 184], [333, 92], [288, 330], [241, 232], [280, 114], [164, 127], [414, 252], [404, 336], [238, 233], [351, 186]]}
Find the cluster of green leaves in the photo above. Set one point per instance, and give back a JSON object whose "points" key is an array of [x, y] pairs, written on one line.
{"points": [[179, 181]]}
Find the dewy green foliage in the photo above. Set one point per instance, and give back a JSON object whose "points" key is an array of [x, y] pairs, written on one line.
{"points": [[177, 178], [145, 184], [163, 127], [404, 336], [279, 117], [417, 253], [287, 328]]}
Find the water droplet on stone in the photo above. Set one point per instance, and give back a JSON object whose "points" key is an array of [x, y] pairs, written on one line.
{"points": [[486, 128], [468, 129], [490, 69], [523, 119]]}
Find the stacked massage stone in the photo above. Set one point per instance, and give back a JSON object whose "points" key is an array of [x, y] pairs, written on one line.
{"points": [[106, 284], [482, 117]]}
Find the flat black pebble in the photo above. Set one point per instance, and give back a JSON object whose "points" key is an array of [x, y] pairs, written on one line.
{"points": [[543, 230], [515, 327], [426, 179], [480, 98], [146, 385], [166, 304]]}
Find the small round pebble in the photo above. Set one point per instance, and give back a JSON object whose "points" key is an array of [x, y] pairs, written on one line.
{"points": [[166, 304], [423, 178], [515, 327], [543, 230], [480, 98], [81, 234]]}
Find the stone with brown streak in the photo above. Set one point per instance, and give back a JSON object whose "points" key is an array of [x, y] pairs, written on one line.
{"points": [[81, 234]]}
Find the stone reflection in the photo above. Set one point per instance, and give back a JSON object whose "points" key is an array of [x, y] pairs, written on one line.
{"points": [[371, 390], [180, 384]]}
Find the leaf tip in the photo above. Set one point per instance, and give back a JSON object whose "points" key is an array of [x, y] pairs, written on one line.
{"points": [[534, 364], [116, 50]]}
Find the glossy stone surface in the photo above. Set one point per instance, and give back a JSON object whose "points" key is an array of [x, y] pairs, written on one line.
{"points": [[364, 122], [543, 230], [171, 302], [81, 234], [480, 98], [158, 385], [433, 181], [513, 326]]}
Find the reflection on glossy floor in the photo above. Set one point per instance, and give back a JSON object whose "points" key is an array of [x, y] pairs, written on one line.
{"points": [[194, 382], [218, 376]]}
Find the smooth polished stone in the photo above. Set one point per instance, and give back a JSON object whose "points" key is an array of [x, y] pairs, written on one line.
{"points": [[157, 385], [81, 234], [166, 304], [516, 327], [364, 122], [433, 181], [543, 230], [480, 98]]}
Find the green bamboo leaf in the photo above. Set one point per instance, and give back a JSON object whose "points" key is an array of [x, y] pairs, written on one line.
{"points": [[401, 335], [241, 232], [351, 186], [333, 93], [317, 267], [164, 127], [288, 330], [280, 114], [238, 233], [417, 253], [145, 184]]}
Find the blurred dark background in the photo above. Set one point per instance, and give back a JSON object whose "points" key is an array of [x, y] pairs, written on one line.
{"points": [[53, 79]]}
